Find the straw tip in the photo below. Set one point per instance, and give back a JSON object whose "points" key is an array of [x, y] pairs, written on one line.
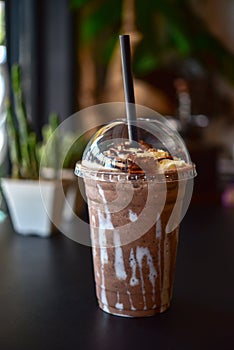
{"points": [[123, 36]]}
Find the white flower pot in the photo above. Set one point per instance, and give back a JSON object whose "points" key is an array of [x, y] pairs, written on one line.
{"points": [[35, 206]]}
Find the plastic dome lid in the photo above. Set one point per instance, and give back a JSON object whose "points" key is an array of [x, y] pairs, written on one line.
{"points": [[159, 153]]}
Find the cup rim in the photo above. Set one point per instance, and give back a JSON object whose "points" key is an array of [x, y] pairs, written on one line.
{"points": [[179, 174]]}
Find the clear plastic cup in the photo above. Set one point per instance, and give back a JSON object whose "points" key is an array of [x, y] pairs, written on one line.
{"points": [[137, 194]]}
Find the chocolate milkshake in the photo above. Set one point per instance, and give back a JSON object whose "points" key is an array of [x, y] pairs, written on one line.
{"points": [[132, 191]]}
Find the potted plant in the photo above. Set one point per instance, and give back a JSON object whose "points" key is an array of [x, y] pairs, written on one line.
{"points": [[35, 199]]}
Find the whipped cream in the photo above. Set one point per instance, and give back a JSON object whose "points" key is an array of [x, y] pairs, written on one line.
{"points": [[133, 160]]}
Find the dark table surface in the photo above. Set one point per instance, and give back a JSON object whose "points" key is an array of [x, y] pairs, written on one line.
{"points": [[47, 296]]}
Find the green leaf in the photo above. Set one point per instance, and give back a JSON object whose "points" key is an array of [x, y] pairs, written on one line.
{"points": [[145, 63], [179, 40], [16, 78]]}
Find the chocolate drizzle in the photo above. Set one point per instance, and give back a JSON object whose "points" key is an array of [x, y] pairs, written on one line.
{"points": [[140, 160]]}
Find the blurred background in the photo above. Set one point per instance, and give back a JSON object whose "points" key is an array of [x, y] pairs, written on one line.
{"points": [[183, 66]]}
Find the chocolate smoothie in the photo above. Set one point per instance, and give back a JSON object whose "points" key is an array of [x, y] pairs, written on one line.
{"points": [[130, 204]]}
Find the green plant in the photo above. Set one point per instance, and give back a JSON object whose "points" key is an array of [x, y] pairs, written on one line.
{"points": [[58, 149], [23, 140], [27, 153]]}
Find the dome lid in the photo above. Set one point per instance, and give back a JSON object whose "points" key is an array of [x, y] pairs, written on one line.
{"points": [[159, 153]]}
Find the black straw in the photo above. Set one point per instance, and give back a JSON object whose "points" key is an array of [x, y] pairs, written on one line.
{"points": [[128, 86]]}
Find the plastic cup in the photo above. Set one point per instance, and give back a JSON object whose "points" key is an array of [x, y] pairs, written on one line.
{"points": [[136, 202]]}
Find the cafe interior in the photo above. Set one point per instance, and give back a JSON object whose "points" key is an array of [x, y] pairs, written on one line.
{"points": [[68, 58]]}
